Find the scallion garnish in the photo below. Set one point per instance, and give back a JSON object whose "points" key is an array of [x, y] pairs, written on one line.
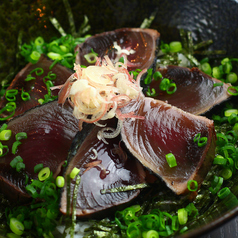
{"points": [[16, 226], [224, 192], [44, 174], [21, 135], [60, 181], [25, 96], [91, 57], [3, 149], [182, 216], [171, 160], [192, 185], [75, 171], [15, 146], [11, 95], [201, 141], [16, 160], [5, 135]]}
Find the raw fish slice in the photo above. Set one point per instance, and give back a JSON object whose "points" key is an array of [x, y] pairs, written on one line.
{"points": [[102, 166], [167, 129], [195, 90], [35, 87], [143, 41], [50, 130]]}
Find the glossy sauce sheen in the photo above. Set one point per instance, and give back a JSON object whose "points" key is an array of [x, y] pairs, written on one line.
{"points": [[164, 130], [50, 130], [143, 41], [195, 91], [114, 169]]}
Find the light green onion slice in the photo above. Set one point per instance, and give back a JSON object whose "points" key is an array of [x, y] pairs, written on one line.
{"points": [[228, 112], [224, 192], [60, 181], [20, 166], [91, 58], [16, 160], [192, 185], [175, 46], [5, 135], [182, 216], [21, 135], [16, 226], [75, 171], [15, 146], [44, 174], [35, 55], [171, 160], [150, 234]]}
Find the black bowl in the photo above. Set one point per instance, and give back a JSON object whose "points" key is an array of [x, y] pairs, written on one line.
{"points": [[214, 19]]}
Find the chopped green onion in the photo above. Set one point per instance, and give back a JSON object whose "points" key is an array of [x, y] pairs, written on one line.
{"points": [[20, 166], [44, 174], [150, 234], [21, 135], [216, 185], [172, 88], [38, 168], [182, 216], [15, 146], [202, 141], [206, 68], [171, 160], [55, 56], [229, 90], [192, 185], [38, 71], [11, 94], [25, 96], [65, 163], [219, 160], [226, 173], [60, 181], [157, 75], [175, 46], [185, 228], [175, 223], [148, 78], [229, 112], [39, 41], [91, 58], [10, 107], [151, 93], [13, 235], [16, 226], [164, 85], [133, 230], [2, 149], [75, 171], [16, 160], [216, 72], [5, 135], [29, 78], [35, 55], [224, 192], [53, 64], [231, 78], [31, 190], [217, 84]]}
